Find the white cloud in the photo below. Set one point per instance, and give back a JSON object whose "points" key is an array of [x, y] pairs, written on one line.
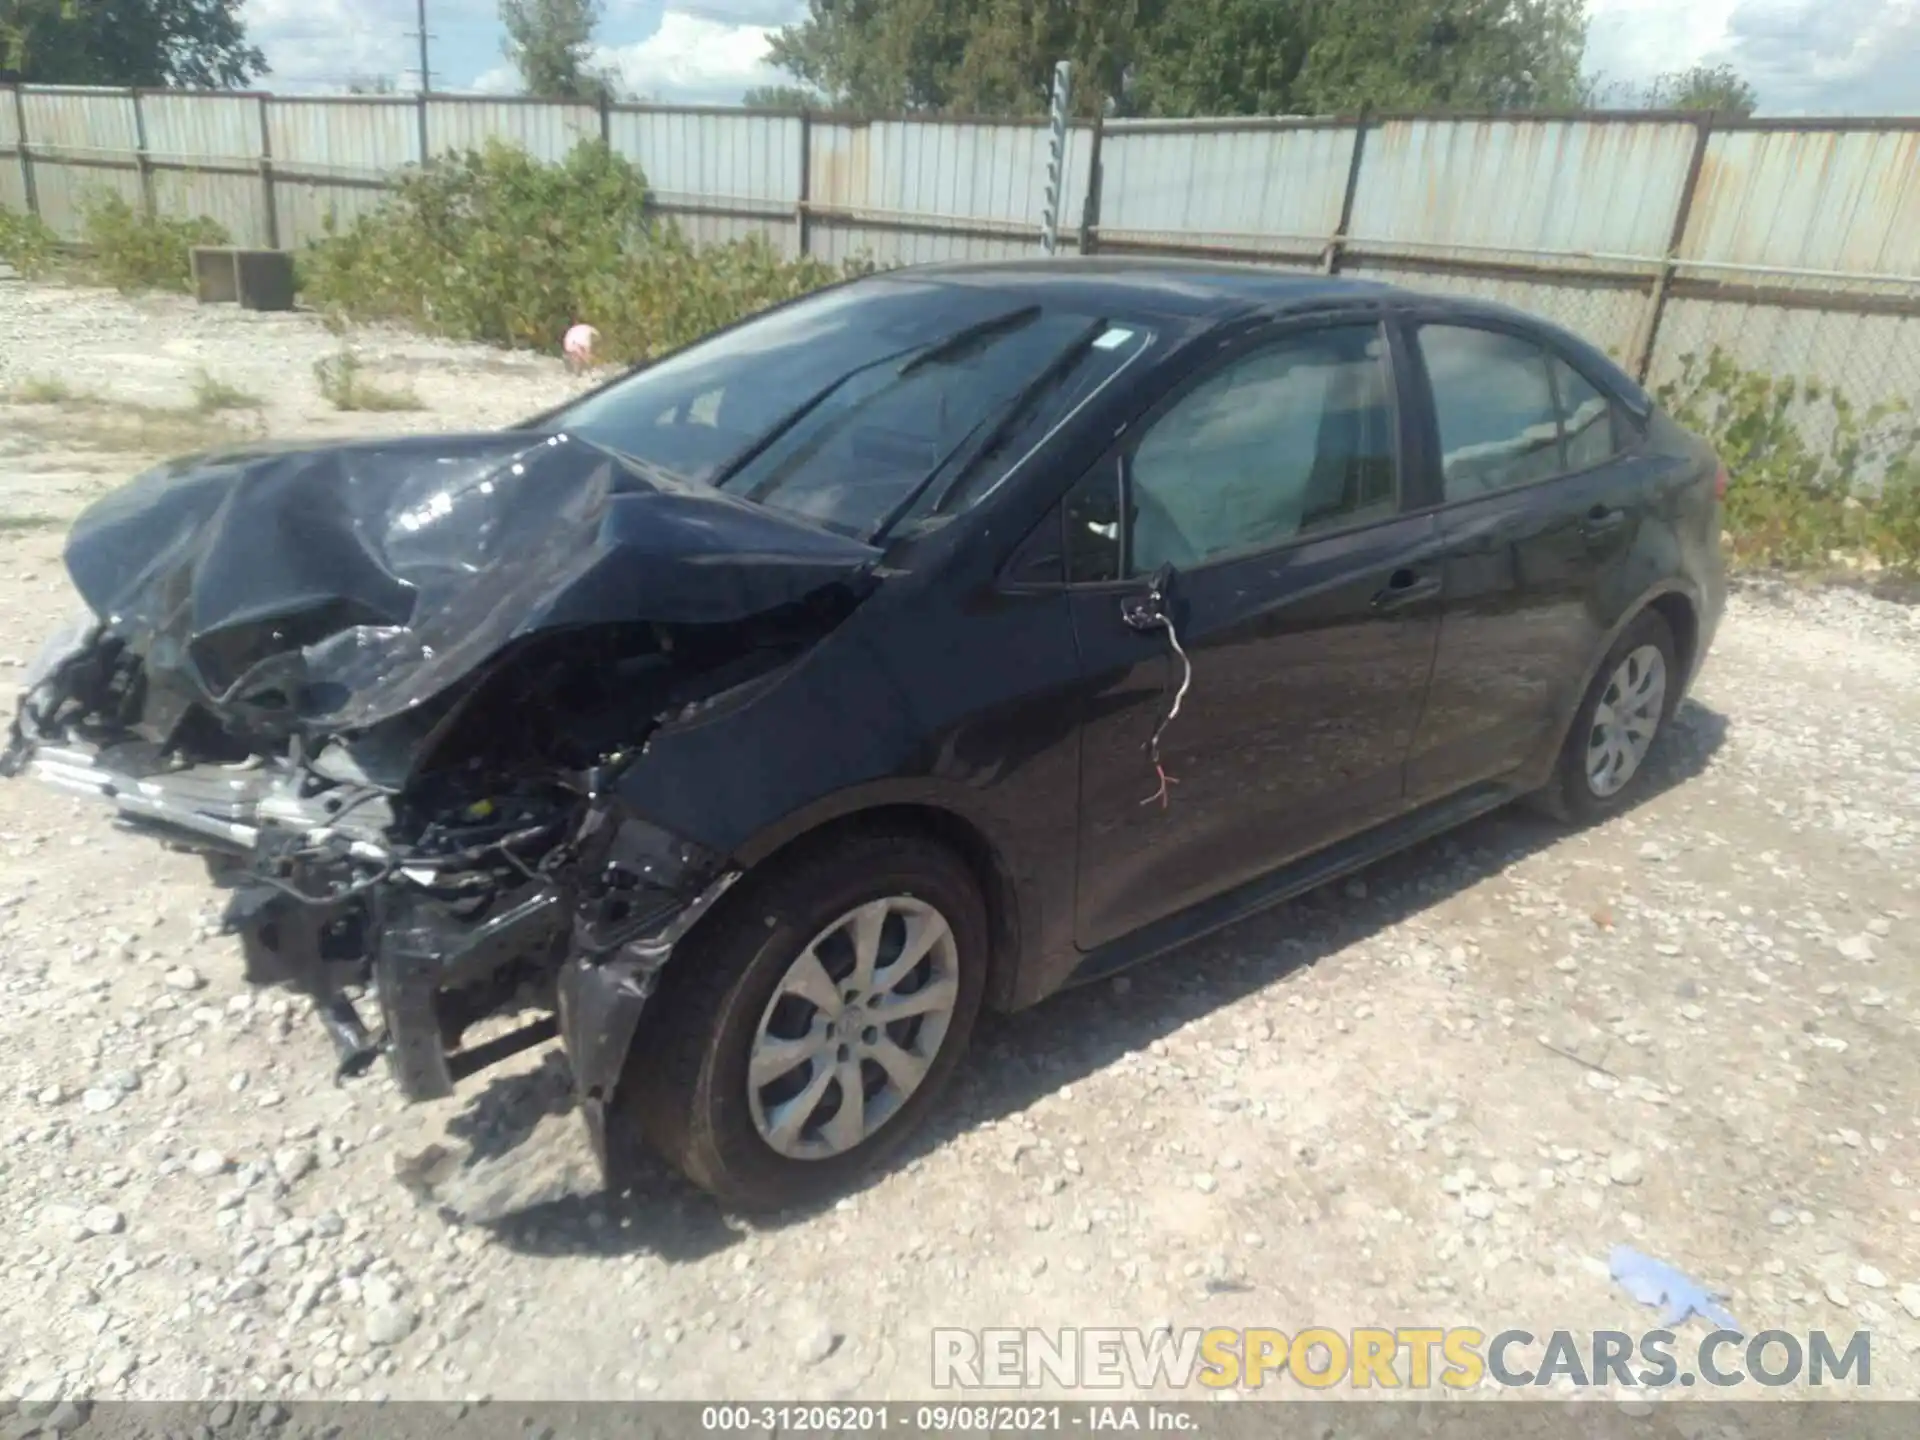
{"points": [[695, 60], [1802, 56], [502, 79], [322, 44], [1859, 57], [743, 12], [689, 60], [1636, 40]]}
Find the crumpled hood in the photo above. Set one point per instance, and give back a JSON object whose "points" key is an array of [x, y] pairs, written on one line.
{"points": [[320, 589]]}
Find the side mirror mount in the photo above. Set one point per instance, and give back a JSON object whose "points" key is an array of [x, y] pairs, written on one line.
{"points": [[1148, 611]]}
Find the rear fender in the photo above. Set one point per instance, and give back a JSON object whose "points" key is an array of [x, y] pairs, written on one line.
{"points": [[1539, 769]]}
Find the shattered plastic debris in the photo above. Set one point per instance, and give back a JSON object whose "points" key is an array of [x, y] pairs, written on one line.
{"points": [[1654, 1282]]}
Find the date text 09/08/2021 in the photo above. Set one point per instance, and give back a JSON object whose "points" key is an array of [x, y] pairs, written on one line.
{"points": [[846, 1419]]}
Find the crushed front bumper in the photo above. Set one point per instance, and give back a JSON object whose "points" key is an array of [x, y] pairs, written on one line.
{"points": [[403, 967]]}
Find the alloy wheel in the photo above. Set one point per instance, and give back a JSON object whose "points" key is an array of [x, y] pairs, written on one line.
{"points": [[1626, 720], [853, 1027]]}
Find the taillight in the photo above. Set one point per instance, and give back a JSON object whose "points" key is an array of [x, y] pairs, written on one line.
{"points": [[1720, 482]]}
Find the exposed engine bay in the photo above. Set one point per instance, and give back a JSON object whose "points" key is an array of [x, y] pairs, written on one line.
{"points": [[390, 690]]}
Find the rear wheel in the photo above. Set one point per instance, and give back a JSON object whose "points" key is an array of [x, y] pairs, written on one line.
{"points": [[1603, 764], [809, 1029]]}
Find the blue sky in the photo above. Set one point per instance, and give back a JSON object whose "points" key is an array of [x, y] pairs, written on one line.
{"points": [[1818, 57]]}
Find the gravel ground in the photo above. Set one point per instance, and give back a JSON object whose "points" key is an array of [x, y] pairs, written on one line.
{"points": [[1434, 1095]]}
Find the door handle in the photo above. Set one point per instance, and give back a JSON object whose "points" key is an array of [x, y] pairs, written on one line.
{"points": [[1601, 522], [1406, 587]]}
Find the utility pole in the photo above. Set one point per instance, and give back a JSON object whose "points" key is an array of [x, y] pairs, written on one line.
{"points": [[426, 82], [426, 78]]}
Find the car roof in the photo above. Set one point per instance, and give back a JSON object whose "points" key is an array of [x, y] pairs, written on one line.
{"points": [[1201, 293], [1187, 289]]}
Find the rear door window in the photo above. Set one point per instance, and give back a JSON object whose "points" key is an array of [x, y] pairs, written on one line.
{"points": [[1511, 412], [1493, 402]]}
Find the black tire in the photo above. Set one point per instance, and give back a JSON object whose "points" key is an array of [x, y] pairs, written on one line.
{"points": [[685, 1092], [1569, 796]]}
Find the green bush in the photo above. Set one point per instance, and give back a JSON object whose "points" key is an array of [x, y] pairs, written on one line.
{"points": [[26, 243], [1794, 500], [133, 251], [495, 246]]}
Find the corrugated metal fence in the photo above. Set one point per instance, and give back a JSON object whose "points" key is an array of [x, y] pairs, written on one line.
{"points": [[1796, 246]]}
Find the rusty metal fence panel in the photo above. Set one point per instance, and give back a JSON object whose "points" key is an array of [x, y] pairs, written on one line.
{"points": [[721, 175], [1272, 195], [912, 192], [548, 132], [83, 143], [13, 168], [1801, 256], [201, 158], [332, 159], [1793, 246]]}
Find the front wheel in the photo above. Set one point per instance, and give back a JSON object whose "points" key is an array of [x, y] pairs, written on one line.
{"points": [[1603, 763], [806, 1033]]}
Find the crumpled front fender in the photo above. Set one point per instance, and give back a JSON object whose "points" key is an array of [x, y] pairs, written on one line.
{"points": [[601, 1001]]}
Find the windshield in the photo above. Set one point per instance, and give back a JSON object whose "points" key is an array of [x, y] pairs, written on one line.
{"points": [[871, 402]]}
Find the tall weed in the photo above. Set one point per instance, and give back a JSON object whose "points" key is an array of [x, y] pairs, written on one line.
{"points": [[27, 243], [492, 245], [133, 251], [1813, 480]]}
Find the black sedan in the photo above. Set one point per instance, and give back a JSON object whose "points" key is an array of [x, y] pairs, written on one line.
{"points": [[936, 640]]}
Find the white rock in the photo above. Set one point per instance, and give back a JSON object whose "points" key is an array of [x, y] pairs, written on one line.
{"points": [[389, 1324], [1507, 1175], [1871, 1278], [1626, 1168], [103, 1220], [206, 1164], [117, 1366], [184, 977], [816, 1344], [1857, 947], [1909, 1297]]}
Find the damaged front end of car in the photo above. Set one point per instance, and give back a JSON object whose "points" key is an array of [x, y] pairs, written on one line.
{"points": [[391, 691]]}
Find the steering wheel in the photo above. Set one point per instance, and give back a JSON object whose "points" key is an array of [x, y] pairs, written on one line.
{"points": [[1168, 544]]}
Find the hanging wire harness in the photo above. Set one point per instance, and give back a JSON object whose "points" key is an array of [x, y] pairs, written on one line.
{"points": [[1149, 612]]}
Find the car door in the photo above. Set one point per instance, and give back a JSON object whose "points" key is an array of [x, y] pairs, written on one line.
{"points": [[1264, 496], [1541, 499]]}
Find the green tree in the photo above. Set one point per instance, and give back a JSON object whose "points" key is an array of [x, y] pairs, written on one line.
{"points": [[1703, 87], [780, 97], [1330, 56], [1189, 57], [550, 43], [197, 44]]}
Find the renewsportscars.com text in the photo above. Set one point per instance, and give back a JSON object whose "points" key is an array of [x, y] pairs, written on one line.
{"points": [[1401, 1357]]}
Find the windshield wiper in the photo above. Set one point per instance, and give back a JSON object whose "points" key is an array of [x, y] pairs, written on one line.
{"points": [[991, 429], [793, 417], [916, 356], [961, 340]]}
